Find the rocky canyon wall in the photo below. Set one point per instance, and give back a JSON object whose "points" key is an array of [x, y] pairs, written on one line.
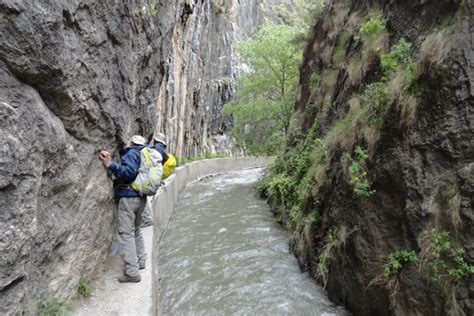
{"points": [[76, 77], [200, 68], [80, 76], [417, 132]]}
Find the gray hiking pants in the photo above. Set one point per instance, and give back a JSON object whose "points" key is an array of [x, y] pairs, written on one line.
{"points": [[147, 217], [129, 237]]}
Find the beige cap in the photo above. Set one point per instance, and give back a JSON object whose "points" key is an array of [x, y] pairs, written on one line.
{"points": [[160, 138], [137, 140]]}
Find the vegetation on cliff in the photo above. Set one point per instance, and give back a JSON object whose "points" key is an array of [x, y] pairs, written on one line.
{"points": [[356, 178]]}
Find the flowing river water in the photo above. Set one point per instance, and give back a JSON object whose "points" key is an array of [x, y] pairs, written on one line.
{"points": [[224, 254]]}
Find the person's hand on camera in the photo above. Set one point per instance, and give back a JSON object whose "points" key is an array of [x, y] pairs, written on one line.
{"points": [[106, 158]]}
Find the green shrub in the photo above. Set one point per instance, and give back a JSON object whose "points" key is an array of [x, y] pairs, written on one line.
{"points": [[297, 218], [281, 189], [376, 97], [48, 306], [372, 29], [460, 269], [444, 258], [444, 261], [262, 186], [293, 176], [397, 261], [358, 175], [84, 288], [399, 56], [328, 79]]}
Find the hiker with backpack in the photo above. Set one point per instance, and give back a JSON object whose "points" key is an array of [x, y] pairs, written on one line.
{"points": [[169, 161], [159, 143], [137, 175], [169, 164]]}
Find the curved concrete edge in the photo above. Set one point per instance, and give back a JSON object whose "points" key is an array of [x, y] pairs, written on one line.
{"points": [[164, 200]]}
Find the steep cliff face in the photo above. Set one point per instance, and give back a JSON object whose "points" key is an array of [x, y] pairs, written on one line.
{"points": [[76, 77], [200, 69], [80, 76], [419, 141]]}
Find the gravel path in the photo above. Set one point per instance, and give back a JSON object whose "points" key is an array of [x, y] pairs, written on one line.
{"points": [[109, 297]]}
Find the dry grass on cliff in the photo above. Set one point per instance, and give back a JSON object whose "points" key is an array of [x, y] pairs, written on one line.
{"points": [[355, 70], [392, 285], [335, 240], [355, 124], [428, 254], [406, 103], [436, 48], [454, 208], [445, 207]]}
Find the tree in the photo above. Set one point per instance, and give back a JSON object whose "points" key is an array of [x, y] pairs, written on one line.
{"points": [[266, 94]]}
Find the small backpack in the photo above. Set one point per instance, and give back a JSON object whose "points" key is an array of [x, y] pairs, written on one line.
{"points": [[149, 175], [169, 166]]}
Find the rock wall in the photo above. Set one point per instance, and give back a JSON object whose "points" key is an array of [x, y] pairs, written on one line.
{"points": [[80, 76], [76, 77], [200, 70], [420, 160]]}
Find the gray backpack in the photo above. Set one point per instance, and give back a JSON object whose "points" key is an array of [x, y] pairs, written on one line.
{"points": [[149, 175]]}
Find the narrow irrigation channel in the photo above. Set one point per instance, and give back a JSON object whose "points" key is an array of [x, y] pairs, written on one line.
{"points": [[223, 254]]}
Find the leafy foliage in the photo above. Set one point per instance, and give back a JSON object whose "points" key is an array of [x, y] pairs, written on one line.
{"points": [[266, 94], [375, 99], [282, 189], [358, 175], [300, 16], [400, 55], [397, 261], [372, 29], [293, 175], [399, 58], [444, 258]]}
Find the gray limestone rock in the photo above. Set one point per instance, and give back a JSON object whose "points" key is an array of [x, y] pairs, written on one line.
{"points": [[75, 77], [80, 76]]}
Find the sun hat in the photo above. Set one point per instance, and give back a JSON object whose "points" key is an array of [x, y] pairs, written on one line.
{"points": [[137, 140], [160, 138]]}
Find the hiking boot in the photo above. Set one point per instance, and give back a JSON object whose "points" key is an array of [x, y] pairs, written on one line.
{"points": [[125, 278], [141, 265]]}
